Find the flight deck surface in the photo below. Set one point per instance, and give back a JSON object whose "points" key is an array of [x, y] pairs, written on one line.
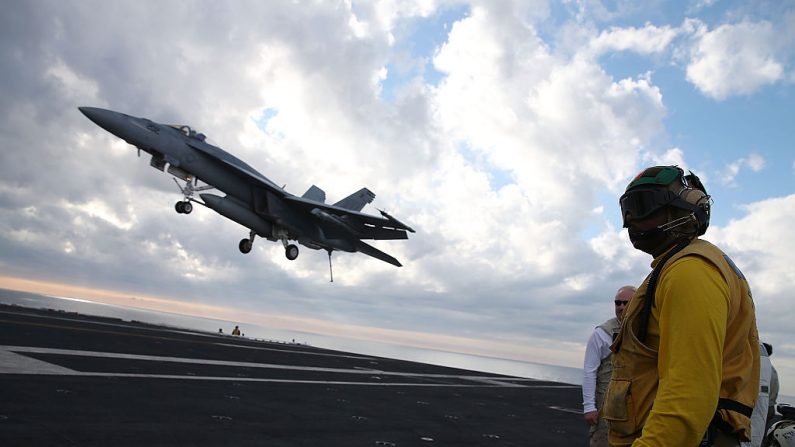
{"points": [[70, 379]]}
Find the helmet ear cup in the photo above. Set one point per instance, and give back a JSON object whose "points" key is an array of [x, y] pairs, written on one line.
{"points": [[691, 180], [696, 194], [702, 201]]}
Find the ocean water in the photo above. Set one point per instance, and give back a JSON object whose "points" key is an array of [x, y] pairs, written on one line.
{"points": [[457, 360]]}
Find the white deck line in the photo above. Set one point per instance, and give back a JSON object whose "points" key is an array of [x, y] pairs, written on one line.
{"points": [[13, 363]]}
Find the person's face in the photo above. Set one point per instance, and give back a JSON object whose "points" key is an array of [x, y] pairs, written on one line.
{"points": [[653, 243], [622, 299], [650, 222]]}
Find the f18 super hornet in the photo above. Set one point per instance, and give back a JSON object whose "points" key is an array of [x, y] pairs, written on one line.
{"points": [[252, 200]]}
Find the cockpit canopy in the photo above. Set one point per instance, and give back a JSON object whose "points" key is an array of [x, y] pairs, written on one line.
{"points": [[188, 132]]}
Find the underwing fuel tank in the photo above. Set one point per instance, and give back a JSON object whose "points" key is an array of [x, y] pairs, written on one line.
{"points": [[231, 209]]}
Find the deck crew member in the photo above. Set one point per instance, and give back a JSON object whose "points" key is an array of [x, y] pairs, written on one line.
{"points": [[686, 361], [597, 368]]}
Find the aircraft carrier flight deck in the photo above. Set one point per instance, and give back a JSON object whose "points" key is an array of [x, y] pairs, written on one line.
{"points": [[68, 379]]}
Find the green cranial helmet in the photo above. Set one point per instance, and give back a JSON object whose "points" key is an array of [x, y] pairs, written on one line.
{"points": [[658, 187]]}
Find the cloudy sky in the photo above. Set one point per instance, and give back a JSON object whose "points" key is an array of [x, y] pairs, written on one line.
{"points": [[503, 131]]}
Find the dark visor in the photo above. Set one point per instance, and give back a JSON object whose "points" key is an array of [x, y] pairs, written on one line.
{"points": [[640, 203]]}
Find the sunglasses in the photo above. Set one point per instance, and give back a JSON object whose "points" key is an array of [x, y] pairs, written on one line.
{"points": [[621, 302]]}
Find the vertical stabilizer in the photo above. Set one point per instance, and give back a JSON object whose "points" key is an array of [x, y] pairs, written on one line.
{"points": [[315, 193], [357, 200]]}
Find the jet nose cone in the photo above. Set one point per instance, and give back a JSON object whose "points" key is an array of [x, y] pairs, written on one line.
{"points": [[114, 122], [93, 113]]}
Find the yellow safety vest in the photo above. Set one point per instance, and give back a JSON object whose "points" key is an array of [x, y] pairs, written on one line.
{"points": [[633, 386], [605, 370]]}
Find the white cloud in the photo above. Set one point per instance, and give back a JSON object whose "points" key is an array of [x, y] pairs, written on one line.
{"points": [[647, 40], [102, 210], [761, 245], [754, 162], [539, 116], [70, 84], [734, 59], [763, 230], [695, 6]]}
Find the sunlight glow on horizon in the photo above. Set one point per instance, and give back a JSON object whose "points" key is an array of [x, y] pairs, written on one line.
{"points": [[537, 353]]}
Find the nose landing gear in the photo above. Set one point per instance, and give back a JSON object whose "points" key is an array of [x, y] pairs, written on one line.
{"points": [[185, 206]]}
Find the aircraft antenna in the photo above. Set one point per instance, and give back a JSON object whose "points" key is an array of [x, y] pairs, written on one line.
{"points": [[330, 271]]}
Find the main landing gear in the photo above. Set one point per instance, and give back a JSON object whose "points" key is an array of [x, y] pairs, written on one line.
{"points": [[290, 250], [246, 244]]}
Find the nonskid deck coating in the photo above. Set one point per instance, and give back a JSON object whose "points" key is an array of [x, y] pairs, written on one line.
{"points": [[69, 379]]}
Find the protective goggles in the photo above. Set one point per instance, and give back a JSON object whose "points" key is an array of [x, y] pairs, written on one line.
{"points": [[641, 203]]}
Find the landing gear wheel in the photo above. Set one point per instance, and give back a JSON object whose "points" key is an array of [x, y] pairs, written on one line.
{"points": [[291, 251], [180, 207], [245, 246], [187, 207]]}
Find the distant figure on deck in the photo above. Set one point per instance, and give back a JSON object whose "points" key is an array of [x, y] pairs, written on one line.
{"points": [[220, 330], [597, 368], [236, 331]]}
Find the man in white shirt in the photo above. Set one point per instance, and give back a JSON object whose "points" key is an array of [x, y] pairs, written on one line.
{"points": [[597, 368]]}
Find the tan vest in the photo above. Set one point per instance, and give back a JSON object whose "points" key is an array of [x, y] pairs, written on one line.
{"points": [[633, 386], [605, 371]]}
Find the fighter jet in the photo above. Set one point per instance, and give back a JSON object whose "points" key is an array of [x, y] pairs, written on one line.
{"points": [[251, 199]]}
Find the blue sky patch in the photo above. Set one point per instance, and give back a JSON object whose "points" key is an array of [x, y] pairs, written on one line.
{"points": [[418, 39]]}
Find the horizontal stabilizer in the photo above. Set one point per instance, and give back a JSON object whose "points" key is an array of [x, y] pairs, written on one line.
{"points": [[315, 193], [357, 200], [398, 224], [369, 250], [381, 233]]}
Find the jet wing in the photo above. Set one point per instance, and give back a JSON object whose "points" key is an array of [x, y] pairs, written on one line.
{"points": [[236, 164], [369, 250], [360, 225]]}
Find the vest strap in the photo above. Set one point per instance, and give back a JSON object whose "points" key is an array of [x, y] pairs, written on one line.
{"points": [[733, 405], [718, 423], [648, 301]]}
